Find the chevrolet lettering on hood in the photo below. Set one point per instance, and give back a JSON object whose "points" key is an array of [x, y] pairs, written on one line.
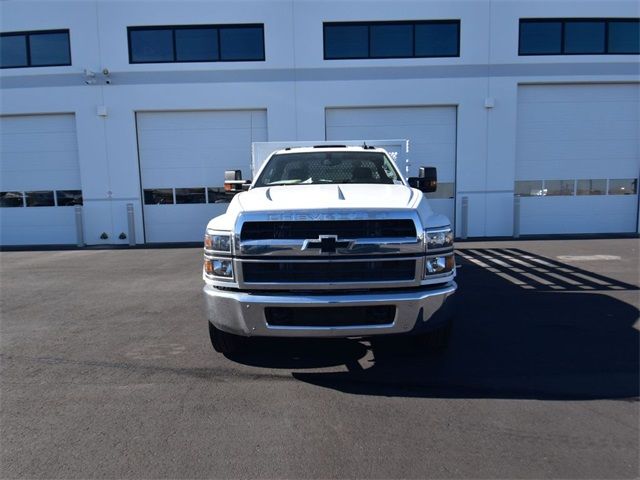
{"points": [[329, 241], [309, 216]]}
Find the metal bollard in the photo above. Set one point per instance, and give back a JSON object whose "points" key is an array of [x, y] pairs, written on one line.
{"points": [[132, 224], [79, 226], [516, 216], [464, 210]]}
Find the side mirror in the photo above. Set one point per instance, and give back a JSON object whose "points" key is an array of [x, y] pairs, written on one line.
{"points": [[426, 181], [233, 181]]}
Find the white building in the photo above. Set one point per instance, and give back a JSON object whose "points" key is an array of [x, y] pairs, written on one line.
{"points": [[529, 109]]}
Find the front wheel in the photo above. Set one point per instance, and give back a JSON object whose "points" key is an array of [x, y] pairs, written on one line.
{"points": [[225, 343]]}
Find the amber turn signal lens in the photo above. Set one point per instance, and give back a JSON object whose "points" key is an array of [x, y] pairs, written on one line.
{"points": [[208, 268], [451, 262]]}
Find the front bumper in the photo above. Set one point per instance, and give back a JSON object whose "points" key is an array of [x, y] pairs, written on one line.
{"points": [[243, 313]]}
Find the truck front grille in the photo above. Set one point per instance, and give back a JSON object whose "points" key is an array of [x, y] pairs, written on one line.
{"points": [[342, 228], [330, 316], [321, 272]]}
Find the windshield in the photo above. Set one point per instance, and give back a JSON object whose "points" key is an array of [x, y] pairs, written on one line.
{"points": [[328, 167]]}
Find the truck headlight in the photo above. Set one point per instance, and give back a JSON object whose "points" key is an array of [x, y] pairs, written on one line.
{"points": [[438, 239], [218, 267], [217, 242], [439, 265]]}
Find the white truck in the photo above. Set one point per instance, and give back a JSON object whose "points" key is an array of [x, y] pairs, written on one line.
{"points": [[329, 241]]}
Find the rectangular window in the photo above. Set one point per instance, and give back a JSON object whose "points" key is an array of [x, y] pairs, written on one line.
{"points": [[49, 48], [540, 38], [11, 199], [148, 46], [158, 196], [596, 186], [69, 198], [584, 37], [40, 199], [529, 188], [579, 36], [218, 195], [623, 186], [241, 43], [404, 39], [190, 195], [196, 43], [624, 37], [391, 40], [437, 39], [559, 187]]}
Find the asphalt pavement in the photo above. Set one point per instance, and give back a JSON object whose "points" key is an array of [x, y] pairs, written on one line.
{"points": [[107, 372]]}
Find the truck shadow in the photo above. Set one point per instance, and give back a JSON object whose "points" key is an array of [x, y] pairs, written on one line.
{"points": [[527, 327]]}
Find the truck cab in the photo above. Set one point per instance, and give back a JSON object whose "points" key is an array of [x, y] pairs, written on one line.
{"points": [[329, 241]]}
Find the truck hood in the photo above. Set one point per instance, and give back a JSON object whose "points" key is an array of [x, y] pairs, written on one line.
{"points": [[302, 197]]}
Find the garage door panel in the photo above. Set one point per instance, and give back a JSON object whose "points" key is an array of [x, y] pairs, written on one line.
{"points": [[568, 132], [541, 112], [38, 226], [39, 142], [192, 150], [579, 93], [370, 116], [55, 180], [577, 215], [185, 178], [205, 139], [443, 133], [40, 161], [203, 120], [180, 223], [189, 159], [32, 124]]}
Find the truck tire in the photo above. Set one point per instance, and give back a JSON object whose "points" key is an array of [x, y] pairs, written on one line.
{"points": [[225, 343]]}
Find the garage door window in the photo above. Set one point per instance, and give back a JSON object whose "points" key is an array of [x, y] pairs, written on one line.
{"points": [[529, 188], [218, 195], [559, 187], [623, 186], [40, 199], [591, 187], [158, 196], [190, 195], [11, 199], [48, 48], [68, 198]]}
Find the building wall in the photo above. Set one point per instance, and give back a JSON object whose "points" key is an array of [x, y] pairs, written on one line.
{"points": [[295, 85]]}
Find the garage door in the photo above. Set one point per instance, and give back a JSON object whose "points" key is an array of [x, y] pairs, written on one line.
{"points": [[183, 156], [578, 158], [39, 179], [431, 132]]}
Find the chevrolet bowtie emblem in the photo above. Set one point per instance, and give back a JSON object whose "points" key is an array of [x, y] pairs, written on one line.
{"points": [[327, 243]]}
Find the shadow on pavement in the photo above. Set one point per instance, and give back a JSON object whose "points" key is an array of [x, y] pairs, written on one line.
{"points": [[527, 327]]}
